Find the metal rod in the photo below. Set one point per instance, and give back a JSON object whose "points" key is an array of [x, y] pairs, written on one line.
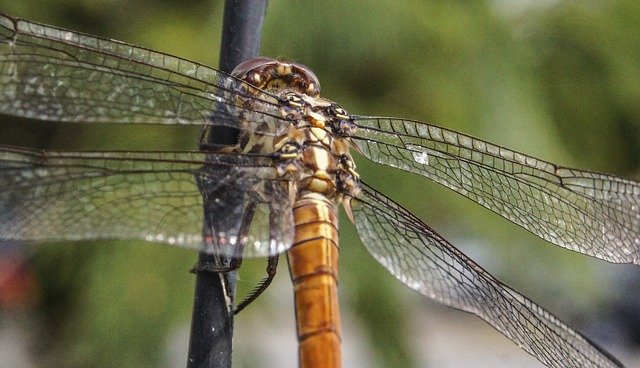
{"points": [[242, 29], [210, 344]]}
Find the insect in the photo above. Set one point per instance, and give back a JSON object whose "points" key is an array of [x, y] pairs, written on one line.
{"points": [[281, 182]]}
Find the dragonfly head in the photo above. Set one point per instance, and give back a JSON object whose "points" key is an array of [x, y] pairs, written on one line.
{"points": [[274, 76]]}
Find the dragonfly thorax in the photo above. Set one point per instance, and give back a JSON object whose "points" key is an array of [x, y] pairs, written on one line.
{"points": [[315, 148], [317, 152]]}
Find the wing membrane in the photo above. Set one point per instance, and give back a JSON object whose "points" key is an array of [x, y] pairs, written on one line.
{"points": [[427, 263], [587, 212], [52, 74], [153, 196]]}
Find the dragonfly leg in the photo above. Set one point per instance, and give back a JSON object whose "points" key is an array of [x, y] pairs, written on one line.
{"points": [[272, 266], [236, 260]]}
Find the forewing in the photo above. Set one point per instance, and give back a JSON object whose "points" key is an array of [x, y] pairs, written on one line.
{"points": [[591, 213], [427, 263], [49, 73], [153, 196]]}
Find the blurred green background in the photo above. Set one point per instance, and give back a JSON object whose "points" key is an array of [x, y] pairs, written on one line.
{"points": [[559, 80]]}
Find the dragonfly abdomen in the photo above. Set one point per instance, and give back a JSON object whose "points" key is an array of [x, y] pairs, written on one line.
{"points": [[313, 265]]}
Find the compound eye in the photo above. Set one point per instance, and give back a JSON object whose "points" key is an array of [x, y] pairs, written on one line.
{"points": [[252, 65], [311, 82]]}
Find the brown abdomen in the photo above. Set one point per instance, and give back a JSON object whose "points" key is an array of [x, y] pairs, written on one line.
{"points": [[313, 264]]}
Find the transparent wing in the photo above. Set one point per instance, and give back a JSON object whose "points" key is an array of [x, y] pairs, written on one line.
{"points": [[52, 74], [154, 196], [591, 213], [427, 263]]}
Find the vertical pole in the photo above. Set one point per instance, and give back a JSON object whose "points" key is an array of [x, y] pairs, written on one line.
{"points": [[210, 343], [241, 32]]}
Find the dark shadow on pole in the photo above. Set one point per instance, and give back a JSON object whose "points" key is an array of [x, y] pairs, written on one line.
{"points": [[210, 343]]}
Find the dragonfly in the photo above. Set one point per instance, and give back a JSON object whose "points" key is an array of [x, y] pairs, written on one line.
{"points": [[282, 180]]}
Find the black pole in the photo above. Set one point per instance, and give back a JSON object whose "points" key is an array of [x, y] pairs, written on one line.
{"points": [[242, 28], [210, 343]]}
